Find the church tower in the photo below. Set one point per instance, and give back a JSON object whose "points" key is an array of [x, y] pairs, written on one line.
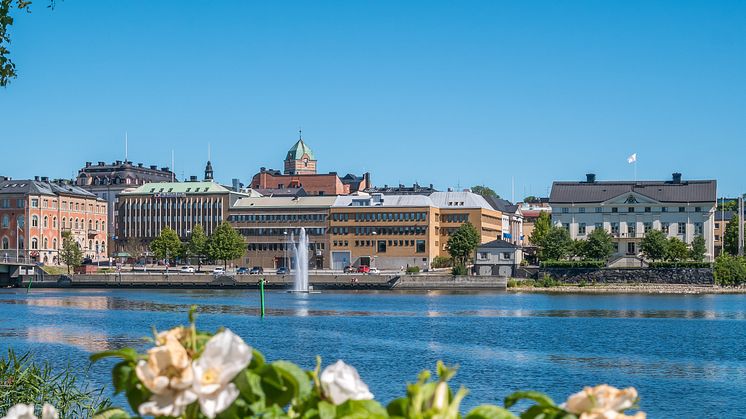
{"points": [[208, 172], [300, 159]]}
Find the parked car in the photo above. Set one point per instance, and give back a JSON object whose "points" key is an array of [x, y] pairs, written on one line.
{"points": [[374, 271], [349, 269], [87, 261], [242, 270], [256, 270], [282, 271], [363, 269], [187, 269], [218, 271]]}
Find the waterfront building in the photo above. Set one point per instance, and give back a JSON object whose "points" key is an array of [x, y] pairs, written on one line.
{"points": [[722, 219], [301, 172], [498, 258], [106, 181], [629, 209], [394, 231], [512, 219], [145, 210], [35, 213], [271, 225]]}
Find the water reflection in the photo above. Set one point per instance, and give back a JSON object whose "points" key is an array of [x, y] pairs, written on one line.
{"points": [[87, 340]]}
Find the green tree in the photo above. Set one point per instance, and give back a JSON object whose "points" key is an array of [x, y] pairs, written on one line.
{"points": [[730, 270], [676, 250], [7, 67], [70, 254], [462, 243], [699, 249], [728, 206], [196, 247], [541, 227], [730, 238], [225, 244], [557, 244], [484, 191], [653, 245], [599, 245], [530, 199], [167, 244]]}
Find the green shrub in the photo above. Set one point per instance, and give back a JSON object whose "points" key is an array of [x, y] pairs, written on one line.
{"points": [[512, 283], [730, 270], [442, 262], [40, 383], [547, 282], [597, 264], [459, 270], [682, 264], [413, 269], [583, 283]]}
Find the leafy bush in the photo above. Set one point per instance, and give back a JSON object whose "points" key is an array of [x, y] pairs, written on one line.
{"points": [[548, 282], [198, 375], [39, 383], [681, 264], [442, 262], [512, 283], [573, 264], [459, 270], [413, 269], [730, 270]]}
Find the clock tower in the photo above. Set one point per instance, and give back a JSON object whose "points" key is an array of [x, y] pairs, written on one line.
{"points": [[300, 160]]}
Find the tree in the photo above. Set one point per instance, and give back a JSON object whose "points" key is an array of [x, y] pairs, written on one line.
{"points": [[676, 250], [729, 270], [70, 254], [653, 245], [541, 227], [167, 244], [730, 238], [599, 245], [7, 67], [698, 249], [462, 243], [133, 246], [197, 245], [225, 244], [530, 199], [557, 244], [485, 191], [728, 206]]}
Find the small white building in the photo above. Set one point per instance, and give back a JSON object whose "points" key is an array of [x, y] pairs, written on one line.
{"points": [[498, 258], [629, 209]]}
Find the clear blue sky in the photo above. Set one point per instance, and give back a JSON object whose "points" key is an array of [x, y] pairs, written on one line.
{"points": [[450, 93]]}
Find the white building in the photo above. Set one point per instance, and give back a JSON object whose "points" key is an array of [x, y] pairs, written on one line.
{"points": [[629, 209]]}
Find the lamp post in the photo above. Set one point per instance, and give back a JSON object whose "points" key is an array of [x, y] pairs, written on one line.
{"points": [[285, 247]]}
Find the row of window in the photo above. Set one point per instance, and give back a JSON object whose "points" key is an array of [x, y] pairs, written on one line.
{"points": [[632, 228], [5, 203], [76, 223], [582, 210], [281, 247], [77, 206], [166, 205], [382, 245], [264, 218], [92, 245], [454, 218], [380, 216], [167, 218], [312, 231], [383, 231]]}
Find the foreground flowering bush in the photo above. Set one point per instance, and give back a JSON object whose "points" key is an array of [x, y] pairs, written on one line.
{"points": [[193, 374]]}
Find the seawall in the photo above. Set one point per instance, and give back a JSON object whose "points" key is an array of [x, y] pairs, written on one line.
{"points": [[687, 276]]}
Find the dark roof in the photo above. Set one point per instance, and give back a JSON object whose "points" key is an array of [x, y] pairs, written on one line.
{"points": [[724, 215], [585, 192], [281, 192], [498, 244], [37, 187], [502, 205], [415, 189]]}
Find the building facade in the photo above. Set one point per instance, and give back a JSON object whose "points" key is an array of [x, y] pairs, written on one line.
{"points": [[722, 219], [271, 226], [35, 213], [106, 181], [498, 258], [629, 209]]}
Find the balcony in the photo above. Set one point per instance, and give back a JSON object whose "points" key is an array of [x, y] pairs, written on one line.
{"points": [[92, 233]]}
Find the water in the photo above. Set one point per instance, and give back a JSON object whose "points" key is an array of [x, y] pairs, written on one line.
{"points": [[300, 279], [685, 354]]}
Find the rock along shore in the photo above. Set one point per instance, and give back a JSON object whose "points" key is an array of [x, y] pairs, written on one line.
{"points": [[631, 289]]}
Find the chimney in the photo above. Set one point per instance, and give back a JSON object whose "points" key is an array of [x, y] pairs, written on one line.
{"points": [[677, 178], [45, 179], [590, 178], [88, 164], [118, 163], [164, 169], [101, 163], [153, 167], [36, 178], [192, 178], [139, 164]]}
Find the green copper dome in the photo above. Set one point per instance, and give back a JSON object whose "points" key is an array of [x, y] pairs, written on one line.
{"points": [[298, 150]]}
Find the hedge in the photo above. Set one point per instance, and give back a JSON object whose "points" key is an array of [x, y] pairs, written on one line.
{"points": [[685, 264], [573, 264]]}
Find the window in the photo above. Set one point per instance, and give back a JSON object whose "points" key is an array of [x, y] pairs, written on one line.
{"points": [[34, 221], [631, 209], [20, 220], [45, 243], [581, 210], [565, 210], [6, 203], [34, 243], [34, 203], [420, 246], [566, 226], [6, 221], [717, 225], [382, 246], [54, 222], [581, 229], [6, 243], [647, 209], [682, 228], [598, 226], [615, 209], [698, 229], [46, 222], [20, 203], [647, 226], [483, 256], [664, 209], [682, 209], [615, 229], [665, 227], [599, 209], [54, 243], [631, 229], [507, 255]]}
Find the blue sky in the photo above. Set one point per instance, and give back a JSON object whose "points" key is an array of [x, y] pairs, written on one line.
{"points": [[449, 93]]}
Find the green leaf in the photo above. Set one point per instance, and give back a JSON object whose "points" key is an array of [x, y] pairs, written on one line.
{"points": [[291, 373], [113, 413], [137, 395], [540, 398], [257, 359], [277, 391], [121, 376], [128, 354], [250, 386], [361, 409], [327, 410], [398, 407], [488, 411]]}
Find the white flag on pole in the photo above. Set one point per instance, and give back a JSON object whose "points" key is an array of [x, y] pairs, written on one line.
{"points": [[631, 159]]}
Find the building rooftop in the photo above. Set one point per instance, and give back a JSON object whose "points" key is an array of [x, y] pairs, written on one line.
{"points": [[42, 186], [502, 205], [674, 190], [179, 187], [400, 189], [284, 202], [724, 215], [498, 244], [459, 200], [297, 151]]}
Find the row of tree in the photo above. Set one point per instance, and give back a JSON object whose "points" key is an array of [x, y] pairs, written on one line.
{"points": [[555, 243], [223, 244]]}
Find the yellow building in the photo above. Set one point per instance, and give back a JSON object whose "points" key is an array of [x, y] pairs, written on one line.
{"points": [[399, 231]]}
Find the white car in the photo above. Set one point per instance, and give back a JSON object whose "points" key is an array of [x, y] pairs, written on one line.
{"points": [[374, 271], [218, 271], [187, 269]]}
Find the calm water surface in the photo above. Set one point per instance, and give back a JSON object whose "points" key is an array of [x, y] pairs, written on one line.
{"points": [[685, 354]]}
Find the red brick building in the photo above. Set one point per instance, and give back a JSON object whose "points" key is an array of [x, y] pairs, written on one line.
{"points": [[301, 172], [34, 213]]}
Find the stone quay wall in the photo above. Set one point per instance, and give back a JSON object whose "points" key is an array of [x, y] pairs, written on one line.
{"points": [[689, 276]]}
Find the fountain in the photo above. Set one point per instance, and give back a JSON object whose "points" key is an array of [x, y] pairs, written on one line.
{"points": [[300, 277]]}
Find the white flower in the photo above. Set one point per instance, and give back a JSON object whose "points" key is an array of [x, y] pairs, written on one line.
{"points": [[603, 402], [168, 403], [26, 411], [224, 356], [340, 382]]}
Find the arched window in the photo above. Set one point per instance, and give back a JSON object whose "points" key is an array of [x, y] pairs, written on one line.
{"points": [[103, 248], [6, 221], [19, 220], [21, 243], [6, 243], [90, 224], [77, 224], [96, 225], [46, 243], [34, 243], [90, 244], [46, 222], [34, 221], [54, 243], [54, 222]]}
